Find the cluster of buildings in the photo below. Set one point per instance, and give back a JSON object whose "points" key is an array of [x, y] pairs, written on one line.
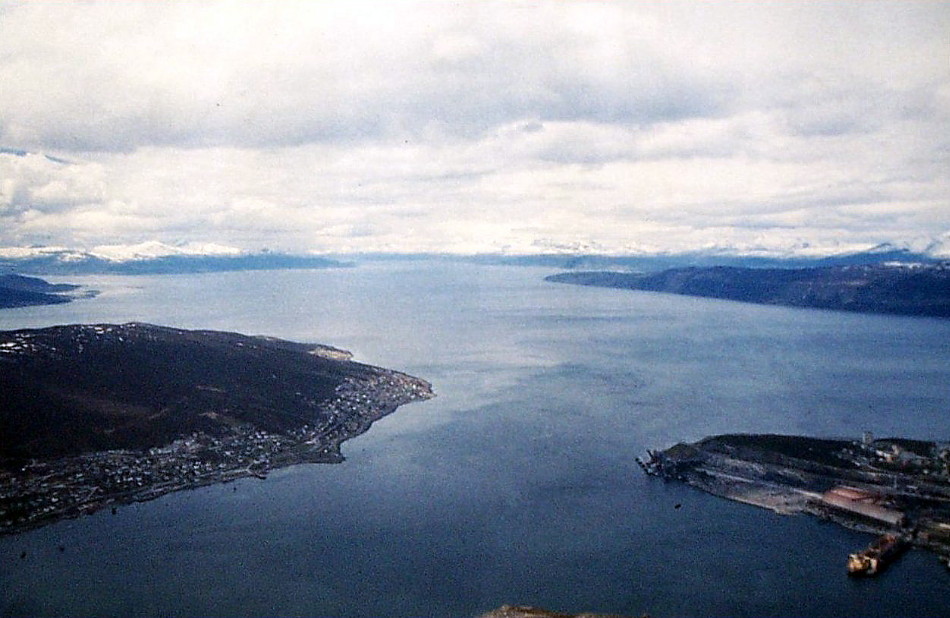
{"points": [[905, 455], [44, 491], [897, 487]]}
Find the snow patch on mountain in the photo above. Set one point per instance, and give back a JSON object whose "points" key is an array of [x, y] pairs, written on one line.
{"points": [[153, 249], [25, 253], [922, 248], [148, 250], [937, 247]]}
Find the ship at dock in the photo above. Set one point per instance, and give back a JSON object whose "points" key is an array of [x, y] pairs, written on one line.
{"points": [[896, 488], [877, 556]]}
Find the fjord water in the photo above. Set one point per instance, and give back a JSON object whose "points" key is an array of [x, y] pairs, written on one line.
{"points": [[517, 484]]}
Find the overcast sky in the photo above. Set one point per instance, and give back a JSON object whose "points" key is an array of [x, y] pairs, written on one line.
{"points": [[475, 126]]}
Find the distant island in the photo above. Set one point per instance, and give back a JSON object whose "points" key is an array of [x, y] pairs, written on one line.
{"points": [[95, 415], [20, 291], [905, 289], [896, 487]]}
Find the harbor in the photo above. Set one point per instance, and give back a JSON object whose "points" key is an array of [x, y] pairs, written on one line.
{"points": [[896, 488]]}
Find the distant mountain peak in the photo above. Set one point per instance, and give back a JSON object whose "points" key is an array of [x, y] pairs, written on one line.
{"points": [[151, 257], [156, 249]]}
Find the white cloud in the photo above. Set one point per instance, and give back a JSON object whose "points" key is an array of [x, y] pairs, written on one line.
{"points": [[34, 182], [89, 76], [474, 126]]}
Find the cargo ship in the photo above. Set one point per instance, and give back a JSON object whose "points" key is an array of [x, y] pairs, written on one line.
{"points": [[877, 556]]}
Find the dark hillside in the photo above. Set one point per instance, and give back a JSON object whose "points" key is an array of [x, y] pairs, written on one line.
{"points": [[75, 389], [20, 291], [922, 290]]}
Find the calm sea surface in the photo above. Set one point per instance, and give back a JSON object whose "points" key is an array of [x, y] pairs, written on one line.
{"points": [[517, 484]]}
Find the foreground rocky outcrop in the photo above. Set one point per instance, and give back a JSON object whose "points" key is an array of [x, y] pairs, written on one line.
{"points": [[93, 415], [525, 611]]}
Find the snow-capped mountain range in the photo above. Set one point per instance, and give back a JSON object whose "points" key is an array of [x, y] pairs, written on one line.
{"points": [[925, 248], [936, 248], [160, 257], [150, 257], [149, 250]]}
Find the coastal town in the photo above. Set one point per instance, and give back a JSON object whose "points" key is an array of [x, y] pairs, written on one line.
{"points": [[45, 490], [896, 488]]}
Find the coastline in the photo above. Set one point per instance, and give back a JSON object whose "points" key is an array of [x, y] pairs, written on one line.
{"points": [[892, 486], [45, 492], [238, 407]]}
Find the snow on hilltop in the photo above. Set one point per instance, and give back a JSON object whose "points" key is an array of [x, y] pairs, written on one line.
{"points": [[24, 253], [922, 248], [152, 257], [149, 250], [154, 249], [937, 247]]}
